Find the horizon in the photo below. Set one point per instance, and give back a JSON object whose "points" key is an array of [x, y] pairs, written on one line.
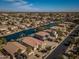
{"points": [[39, 6]]}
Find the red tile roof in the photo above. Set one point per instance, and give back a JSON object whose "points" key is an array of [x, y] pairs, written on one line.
{"points": [[32, 41], [50, 30], [42, 33], [13, 47]]}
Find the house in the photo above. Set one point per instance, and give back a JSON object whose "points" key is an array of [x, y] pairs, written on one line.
{"points": [[62, 27], [52, 32], [3, 28], [13, 47], [42, 35], [33, 44]]}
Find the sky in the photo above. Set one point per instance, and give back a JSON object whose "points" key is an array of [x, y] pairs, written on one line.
{"points": [[40, 5]]}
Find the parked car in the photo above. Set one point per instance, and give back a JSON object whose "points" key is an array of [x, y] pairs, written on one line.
{"points": [[67, 43]]}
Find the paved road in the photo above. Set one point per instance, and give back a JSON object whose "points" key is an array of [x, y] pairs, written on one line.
{"points": [[61, 48]]}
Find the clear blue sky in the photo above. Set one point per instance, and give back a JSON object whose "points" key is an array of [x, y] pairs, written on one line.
{"points": [[40, 5]]}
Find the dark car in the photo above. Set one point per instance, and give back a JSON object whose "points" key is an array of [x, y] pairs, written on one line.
{"points": [[67, 43], [74, 35]]}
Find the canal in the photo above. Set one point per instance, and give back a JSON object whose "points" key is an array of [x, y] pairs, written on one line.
{"points": [[26, 32]]}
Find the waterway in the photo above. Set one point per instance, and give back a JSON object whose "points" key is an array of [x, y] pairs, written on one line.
{"points": [[26, 32]]}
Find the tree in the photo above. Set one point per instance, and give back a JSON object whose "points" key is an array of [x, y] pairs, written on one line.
{"points": [[76, 41], [2, 41], [76, 21], [40, 28], [60, 33], [72, 56], [60, 57], [48, 48], [28, 50]]}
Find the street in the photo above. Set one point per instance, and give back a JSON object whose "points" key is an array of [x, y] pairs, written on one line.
{"points": [[61, 48]]}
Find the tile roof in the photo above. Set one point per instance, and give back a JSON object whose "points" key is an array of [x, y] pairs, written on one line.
{"points": [[50, 30], [32, 41], [13, 47], [42, 33]]}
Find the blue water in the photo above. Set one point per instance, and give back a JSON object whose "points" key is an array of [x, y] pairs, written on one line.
{"points": [[17, 35]]}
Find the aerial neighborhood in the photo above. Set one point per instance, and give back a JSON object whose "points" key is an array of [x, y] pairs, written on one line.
{"points": [[39, 35]]}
